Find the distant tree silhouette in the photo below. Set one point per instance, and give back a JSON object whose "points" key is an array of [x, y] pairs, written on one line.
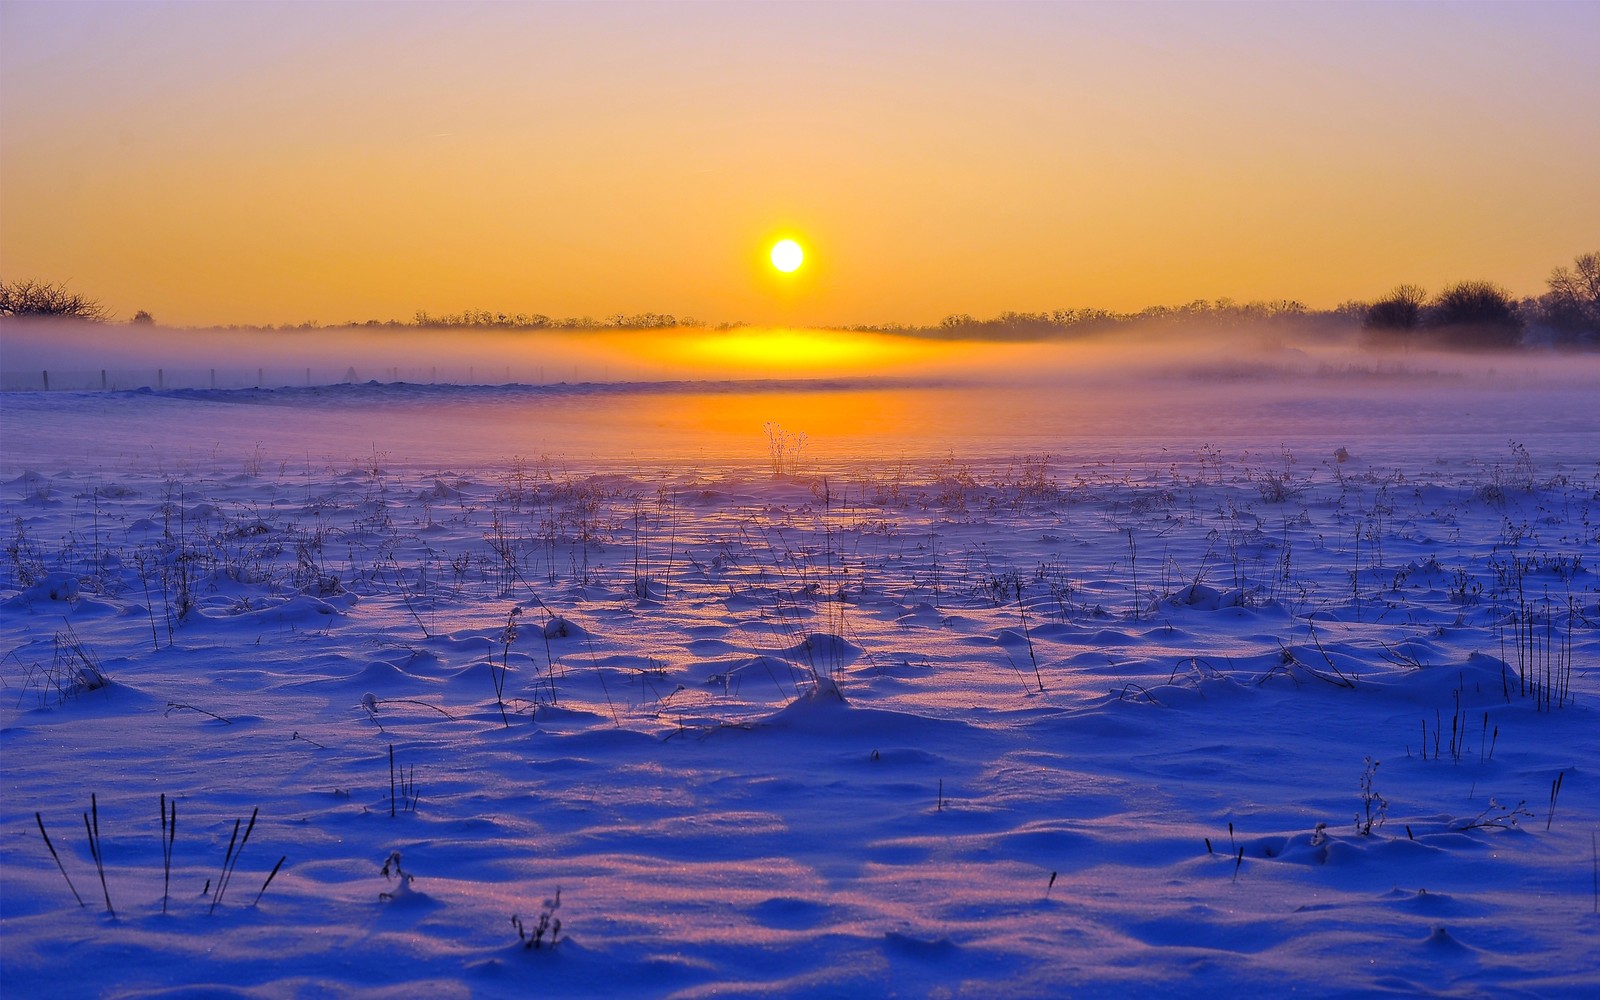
{"points": [[48, 300], [643, 321], [142, 318], [1395, 317], [1351, 309], [1477, 314]]}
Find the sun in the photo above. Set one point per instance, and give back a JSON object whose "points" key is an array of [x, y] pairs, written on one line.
{"points": [[787, 256]]}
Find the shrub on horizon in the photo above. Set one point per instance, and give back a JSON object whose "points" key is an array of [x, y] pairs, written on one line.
{"points": [[1476, 314]]}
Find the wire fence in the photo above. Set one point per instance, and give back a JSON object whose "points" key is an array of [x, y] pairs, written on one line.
{"points": [[160, 379]]}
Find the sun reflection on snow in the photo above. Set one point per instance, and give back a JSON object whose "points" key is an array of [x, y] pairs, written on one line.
{"points": [[836, 423]]}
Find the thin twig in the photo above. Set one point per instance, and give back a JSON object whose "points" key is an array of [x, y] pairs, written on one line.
{"points": [[53, 854], [169, 834], [413, 701], [270, 876], [1555, 793], [173, 706]]}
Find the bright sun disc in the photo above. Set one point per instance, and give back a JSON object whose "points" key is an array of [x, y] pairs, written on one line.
{"points": [[787, 256]]}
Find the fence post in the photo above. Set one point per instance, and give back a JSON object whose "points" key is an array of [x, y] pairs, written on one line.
{"points": [[46, 380], [102, 379]]}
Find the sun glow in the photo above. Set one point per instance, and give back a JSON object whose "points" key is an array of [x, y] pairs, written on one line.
{"points": [[767, 353], [787, 256]]}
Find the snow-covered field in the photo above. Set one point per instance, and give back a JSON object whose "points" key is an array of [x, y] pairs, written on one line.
{"points": [[1246, 682]]}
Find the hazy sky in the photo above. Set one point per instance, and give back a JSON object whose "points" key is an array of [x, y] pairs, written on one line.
{"points": [[278, 162]]}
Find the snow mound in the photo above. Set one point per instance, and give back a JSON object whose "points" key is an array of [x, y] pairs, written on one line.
{"points": [[1201, 597], [62, 587], [824, 648], [564, 628]]}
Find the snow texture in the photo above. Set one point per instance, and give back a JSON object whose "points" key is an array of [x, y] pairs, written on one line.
{"points": [[1243, 689]]}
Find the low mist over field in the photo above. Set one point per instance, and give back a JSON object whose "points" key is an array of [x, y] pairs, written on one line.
{"points": [[76, 353], [1152, 393]]}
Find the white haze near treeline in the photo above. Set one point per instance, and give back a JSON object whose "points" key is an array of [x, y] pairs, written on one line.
{"points": [[449, 354], [1159, 392]]}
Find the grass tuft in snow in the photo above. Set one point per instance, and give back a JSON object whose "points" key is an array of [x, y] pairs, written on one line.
{"points": [[230, 860], [784, 449], [73, 670], [93, 830], [497, 674], [402, 787], [402, 878], [1555, 793], [1374, 807], [1498, 817], [548, 923]]}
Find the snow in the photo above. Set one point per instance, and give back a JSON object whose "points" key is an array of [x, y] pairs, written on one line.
{"points": [[1185, 685]]}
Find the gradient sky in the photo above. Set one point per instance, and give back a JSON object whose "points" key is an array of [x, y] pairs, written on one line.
{"points": [[278, 162]]}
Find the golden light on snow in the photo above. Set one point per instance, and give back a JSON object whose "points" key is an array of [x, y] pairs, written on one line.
{"points": [[833, 422], [787, 256]]}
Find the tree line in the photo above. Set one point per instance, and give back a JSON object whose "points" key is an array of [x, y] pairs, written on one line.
{"points": [[1466, 314], [1482, 315], [1022, 326], [1478, 315]]}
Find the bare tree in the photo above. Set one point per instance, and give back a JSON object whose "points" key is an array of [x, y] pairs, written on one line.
{"points": [[1397, 314], [1572, 306], [45, 299]]}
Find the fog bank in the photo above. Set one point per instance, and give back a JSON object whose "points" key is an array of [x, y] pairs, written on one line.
{"points": [[92, 356]]}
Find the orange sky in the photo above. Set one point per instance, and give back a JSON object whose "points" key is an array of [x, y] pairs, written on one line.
{"points": [[271, 163]]}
